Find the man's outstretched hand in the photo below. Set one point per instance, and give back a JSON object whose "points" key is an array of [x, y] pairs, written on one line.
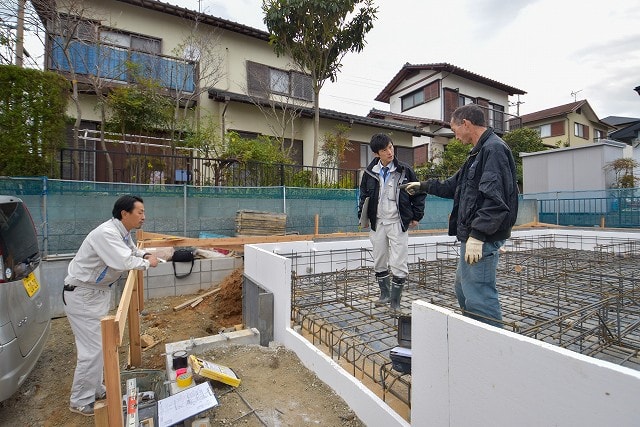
{"points": [[411, 188]]}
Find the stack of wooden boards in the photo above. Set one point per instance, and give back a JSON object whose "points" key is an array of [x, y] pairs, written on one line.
{"points": [[257, 223]]}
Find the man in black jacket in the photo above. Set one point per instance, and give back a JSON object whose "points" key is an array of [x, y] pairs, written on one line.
{"points": [[391, 212], [485, 207]]}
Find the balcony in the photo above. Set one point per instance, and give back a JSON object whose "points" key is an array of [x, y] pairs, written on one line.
{"points": [[148, 160], [111, 63]]}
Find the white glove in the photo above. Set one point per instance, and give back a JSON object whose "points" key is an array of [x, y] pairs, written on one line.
{"points": [[412, 187], [473, 250]]}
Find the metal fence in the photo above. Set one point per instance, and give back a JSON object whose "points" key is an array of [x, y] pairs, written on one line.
{"points": [[615, 208], [150, 164]]}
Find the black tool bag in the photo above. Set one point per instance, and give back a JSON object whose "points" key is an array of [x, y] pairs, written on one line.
{"points": [[183, 255]]}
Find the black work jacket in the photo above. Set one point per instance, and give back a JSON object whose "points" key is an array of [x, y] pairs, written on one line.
{"points": [[410, 207], [484, 192]]}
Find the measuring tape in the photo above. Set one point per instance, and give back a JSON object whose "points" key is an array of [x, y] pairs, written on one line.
{"points": [[184, 380]]}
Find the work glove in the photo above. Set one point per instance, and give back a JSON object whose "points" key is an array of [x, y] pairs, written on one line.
{"points": [[411, 188], [473, 250]]}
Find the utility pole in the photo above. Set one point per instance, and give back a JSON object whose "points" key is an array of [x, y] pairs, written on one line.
{"points": [[517, 104], [20, 33]]}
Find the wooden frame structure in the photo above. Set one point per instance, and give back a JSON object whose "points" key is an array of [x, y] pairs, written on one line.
{"points": [[109, 412]]}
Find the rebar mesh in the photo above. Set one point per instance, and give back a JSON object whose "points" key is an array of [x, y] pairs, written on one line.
{"points": [[579, 293]]}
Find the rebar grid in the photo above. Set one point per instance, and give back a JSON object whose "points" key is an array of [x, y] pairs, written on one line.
{"points": [[580, 293]]}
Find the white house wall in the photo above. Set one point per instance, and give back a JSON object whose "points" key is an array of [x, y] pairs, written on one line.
{"points": [[235, 49], [477, 90], [433, 109]]}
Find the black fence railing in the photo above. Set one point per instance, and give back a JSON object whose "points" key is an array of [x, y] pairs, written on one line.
{"points": [[143, 165]]}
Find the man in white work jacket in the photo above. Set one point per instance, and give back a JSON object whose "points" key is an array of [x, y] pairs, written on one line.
{"points": [[106, 253]]}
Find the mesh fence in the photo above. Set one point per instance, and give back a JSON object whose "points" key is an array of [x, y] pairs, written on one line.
{"points": [[65, 211]]}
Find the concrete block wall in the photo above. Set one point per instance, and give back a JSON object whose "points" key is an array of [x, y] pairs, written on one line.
{"points": [[162, 282], [159, 281]]}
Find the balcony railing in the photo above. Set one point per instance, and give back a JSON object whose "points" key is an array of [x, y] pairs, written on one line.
{"points": [[110, 62], [151, 165]]}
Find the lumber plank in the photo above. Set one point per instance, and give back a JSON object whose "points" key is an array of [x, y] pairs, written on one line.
{"points": [[192, 300]]}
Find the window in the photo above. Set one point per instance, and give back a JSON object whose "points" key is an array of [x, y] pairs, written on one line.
{"points": [[421, 96], [598, 135], [279, 81], [73, 27], [19, 254], [366, 155], [581, 130], [496, 117], [263, 81], [464, 100], [545, 131], [413, 99], [135, 42]]}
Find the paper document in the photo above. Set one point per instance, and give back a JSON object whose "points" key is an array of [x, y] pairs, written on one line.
{"points": [[185, 404], [401, 351], [364, 218]]}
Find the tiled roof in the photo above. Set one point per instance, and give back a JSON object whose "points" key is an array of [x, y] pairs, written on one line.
{"points": [[219, 95], [200, 17], [560, 110], [628, 132], [411, 69], [618, 121], [375, 113]]}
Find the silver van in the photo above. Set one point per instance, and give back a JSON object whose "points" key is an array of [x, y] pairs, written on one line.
{"points": [[25, 318]]}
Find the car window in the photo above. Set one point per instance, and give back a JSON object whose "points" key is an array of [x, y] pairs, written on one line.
{"points": [[18, 242]]}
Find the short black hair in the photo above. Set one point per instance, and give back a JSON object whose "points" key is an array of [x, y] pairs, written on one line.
{"points": [[125, 203], [379, 141], [470, 112]]}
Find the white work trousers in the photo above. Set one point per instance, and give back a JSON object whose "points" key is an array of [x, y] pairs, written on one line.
{"points": [[390, 249], [85, 308]]}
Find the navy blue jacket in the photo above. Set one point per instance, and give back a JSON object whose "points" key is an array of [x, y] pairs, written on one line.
{"points": [[484, 192]]}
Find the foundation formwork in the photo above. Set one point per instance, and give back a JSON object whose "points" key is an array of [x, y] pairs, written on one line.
{"points": [[580, 293]]}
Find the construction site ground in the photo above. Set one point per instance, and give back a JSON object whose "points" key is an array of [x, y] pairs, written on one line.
{"points": [[276, 389]]}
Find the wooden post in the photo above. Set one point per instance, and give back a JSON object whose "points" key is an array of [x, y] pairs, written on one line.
{"points": [[317, 222], [133, 316], [110, 340], [602, 221]]}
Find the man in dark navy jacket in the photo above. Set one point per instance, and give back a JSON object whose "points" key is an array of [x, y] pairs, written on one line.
{"points": [[485, 208]]}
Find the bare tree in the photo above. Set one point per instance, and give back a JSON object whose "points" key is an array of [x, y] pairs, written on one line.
{"points": [[69, 24], [199, 66]]}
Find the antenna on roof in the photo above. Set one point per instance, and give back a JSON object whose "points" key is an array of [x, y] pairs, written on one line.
{"points": [[575, 93]]}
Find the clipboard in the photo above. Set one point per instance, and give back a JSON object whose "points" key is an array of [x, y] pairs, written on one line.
{"points": [[364, 216]]}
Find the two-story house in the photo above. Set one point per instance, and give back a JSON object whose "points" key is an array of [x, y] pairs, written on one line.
{"points": [[221, 74], [567, 125], [425, 95]]}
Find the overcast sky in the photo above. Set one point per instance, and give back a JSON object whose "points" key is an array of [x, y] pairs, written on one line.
{"points": [[557, 51], [547, 48]]}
